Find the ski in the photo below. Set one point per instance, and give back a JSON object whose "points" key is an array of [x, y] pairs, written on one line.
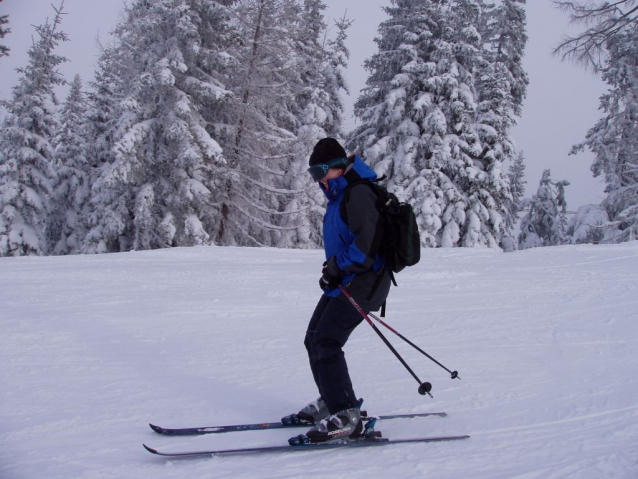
{"points": [[363, 442], [196, 431]]}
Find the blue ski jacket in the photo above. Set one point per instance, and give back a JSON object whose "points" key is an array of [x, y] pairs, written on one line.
{"points": [[352, 248]]}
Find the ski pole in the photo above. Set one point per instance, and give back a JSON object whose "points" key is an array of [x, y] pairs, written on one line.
{"points": [[455, 374], [424, 387]]}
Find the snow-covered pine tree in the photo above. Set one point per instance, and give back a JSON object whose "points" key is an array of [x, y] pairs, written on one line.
{"points": [[312, 117], [517, 183], [401, 124], [26, 146], [71, 189], [514, 205], [502, 86], [505, 35], [337, 57], [614, 139], [419, 121], [100, 118], [256, 191], [485, 144], [545, 224], [561, 200], [4, 20], [158, 189], [99, 129], [308, 46], [322, 61], [590, 224]]}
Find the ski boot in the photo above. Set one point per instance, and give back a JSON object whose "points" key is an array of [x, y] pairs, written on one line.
{"points": [[310, 414], [345, 424]]}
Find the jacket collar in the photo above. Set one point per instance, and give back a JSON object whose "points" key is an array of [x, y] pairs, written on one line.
{"points": [[356, 171]]}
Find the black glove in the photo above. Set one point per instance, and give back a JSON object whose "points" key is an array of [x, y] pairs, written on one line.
{"points": [[331, 276]]}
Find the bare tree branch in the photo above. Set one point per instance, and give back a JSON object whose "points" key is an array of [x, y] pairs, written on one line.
{"points": [[604, 20]]}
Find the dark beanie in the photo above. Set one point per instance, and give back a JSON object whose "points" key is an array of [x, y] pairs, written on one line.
{"points": [[325, 150]]}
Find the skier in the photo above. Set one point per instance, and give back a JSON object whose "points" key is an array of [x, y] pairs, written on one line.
{"points": [[352, 261]]}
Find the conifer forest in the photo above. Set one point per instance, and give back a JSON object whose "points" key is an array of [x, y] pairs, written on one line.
{"points": [[201, 114]]}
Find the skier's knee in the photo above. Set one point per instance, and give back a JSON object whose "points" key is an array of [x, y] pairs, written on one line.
{"points": [[308, 340], [328, 351]]}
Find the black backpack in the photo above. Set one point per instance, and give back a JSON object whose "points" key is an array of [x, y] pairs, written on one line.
{"points": [[400, 243]]}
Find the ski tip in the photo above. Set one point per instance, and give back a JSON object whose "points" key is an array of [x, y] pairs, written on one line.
{"points": [[150, 449], [155, 428]]}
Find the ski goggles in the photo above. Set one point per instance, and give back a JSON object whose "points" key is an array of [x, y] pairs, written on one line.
{"points": [[320, 170]]}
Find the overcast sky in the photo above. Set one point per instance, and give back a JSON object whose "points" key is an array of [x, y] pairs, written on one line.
{"points": [[561, 105]]}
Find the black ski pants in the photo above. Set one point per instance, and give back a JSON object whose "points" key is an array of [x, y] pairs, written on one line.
{"points": [[330, 327]]}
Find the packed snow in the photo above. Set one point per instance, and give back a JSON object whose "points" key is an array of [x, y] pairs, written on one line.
{"points": [[93, 348]]}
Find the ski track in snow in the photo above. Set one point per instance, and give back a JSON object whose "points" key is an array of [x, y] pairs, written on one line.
{"points": [[93, 348]]}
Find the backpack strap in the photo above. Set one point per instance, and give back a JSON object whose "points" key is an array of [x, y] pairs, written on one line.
{"points": [[353, 179], [346, 198], [394, 281]]}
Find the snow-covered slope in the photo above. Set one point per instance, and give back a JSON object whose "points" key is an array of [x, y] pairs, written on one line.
{"points": [[92, 348]]}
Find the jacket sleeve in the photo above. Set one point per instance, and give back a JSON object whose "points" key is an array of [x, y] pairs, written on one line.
{"points": [[364, 223]]}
